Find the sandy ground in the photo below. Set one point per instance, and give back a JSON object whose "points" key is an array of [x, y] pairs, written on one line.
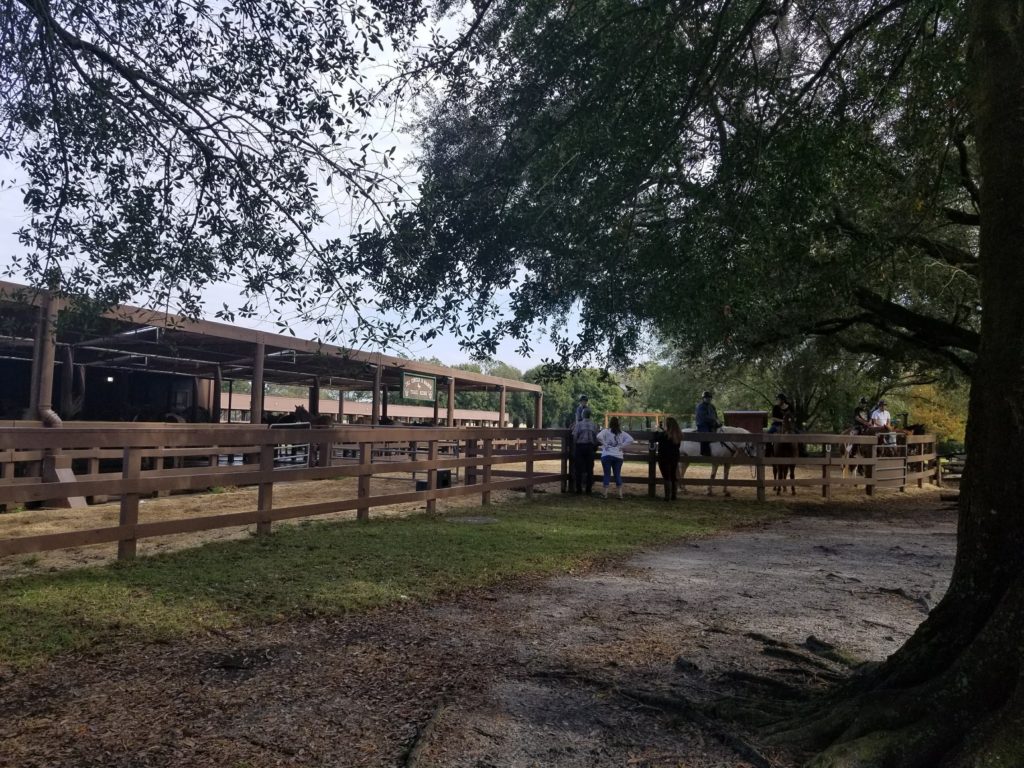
{"points": [[601, 669]]}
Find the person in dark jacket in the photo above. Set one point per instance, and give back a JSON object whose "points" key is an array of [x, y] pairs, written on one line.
{"points": [[584, 440], [780, 412], [707, 419], [668, 440]]}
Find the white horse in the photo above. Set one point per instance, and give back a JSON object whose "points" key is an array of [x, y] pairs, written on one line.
{"points": [[726, 448]]}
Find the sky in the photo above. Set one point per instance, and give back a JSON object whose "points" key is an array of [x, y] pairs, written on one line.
{"points": [[444, 348]]}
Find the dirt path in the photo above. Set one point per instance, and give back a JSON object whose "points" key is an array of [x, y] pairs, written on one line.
{"points": [[590, 670]]}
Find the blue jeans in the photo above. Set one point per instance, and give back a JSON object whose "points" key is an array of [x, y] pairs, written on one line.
{"points": [[612, 464]]}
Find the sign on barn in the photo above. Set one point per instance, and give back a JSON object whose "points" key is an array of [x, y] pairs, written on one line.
{"points": [[418, 387]]}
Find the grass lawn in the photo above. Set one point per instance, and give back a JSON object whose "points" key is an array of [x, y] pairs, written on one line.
{"points": [[330, 569]]}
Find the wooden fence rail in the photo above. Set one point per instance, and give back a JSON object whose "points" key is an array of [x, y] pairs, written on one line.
{"points": [[82, 461]]}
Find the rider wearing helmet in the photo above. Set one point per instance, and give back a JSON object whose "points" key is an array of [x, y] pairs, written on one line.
{"points": [[780, 411], [707, 419], [862, 417]]}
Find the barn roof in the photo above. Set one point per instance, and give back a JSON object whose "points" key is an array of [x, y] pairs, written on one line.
{"points": [[134, 338]]}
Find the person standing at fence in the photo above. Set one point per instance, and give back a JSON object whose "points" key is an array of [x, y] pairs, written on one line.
{"points": [[584, 440], [707, 419], [612, 440], [669, 440], [584, 403]]}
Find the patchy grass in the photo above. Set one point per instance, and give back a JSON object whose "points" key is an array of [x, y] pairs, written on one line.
{"points": [[330, 569]]}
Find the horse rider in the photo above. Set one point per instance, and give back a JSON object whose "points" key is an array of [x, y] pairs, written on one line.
{"points": [[780, 412], [707, 419], [862, 418], [880, 417]]}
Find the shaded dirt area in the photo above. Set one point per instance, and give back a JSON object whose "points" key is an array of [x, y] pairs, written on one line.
{"points": [[620, 666]]}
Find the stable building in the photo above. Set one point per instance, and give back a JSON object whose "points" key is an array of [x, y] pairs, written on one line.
{"points": [[58, 363]]}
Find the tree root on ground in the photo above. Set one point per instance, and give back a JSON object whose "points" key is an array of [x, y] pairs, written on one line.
{"points": [[673, 704], [967, 714]]}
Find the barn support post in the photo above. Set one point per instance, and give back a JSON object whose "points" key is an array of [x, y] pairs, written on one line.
{"points": [[451, 402], [384, 403], [47, 356], [502, 404], [37, 353], [256, 396], [437, 400], [375, 409], [538, 410], [215, 409], [314, 398]]}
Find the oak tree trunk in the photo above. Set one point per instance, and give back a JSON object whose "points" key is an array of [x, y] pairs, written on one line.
{"points": [[954, 694]]}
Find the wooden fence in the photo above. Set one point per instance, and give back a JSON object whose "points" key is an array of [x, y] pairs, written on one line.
{"points": [[96, 461]]}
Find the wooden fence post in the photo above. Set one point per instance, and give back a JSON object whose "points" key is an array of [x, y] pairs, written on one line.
{"points": [[265, 496], [826, 472], [759, 470], [529, 467], [470, 468], [131, 467], [488, 452], [432, 476], [869, 472], [566, 480], [365, 460], [652, 471]]}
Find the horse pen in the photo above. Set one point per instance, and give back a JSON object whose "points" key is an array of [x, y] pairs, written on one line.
{"points": [[131, 462]]}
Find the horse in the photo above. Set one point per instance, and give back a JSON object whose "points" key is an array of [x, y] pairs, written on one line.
{"points": [[784, 451], [720, 449]]}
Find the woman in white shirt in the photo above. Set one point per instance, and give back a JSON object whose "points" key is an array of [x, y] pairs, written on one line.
{"points": [[612, 440]]}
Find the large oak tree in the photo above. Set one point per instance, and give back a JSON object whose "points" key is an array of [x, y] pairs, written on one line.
{"points": [[741, 174]]}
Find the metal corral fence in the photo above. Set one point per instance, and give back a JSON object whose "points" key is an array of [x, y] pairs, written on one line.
{"points": [[83, 462]]}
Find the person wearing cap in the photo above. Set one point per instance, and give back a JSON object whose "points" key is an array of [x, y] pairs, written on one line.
{"points": [[707, 419], [584, 403], [880, 417], [584, 438], [780, 412]]}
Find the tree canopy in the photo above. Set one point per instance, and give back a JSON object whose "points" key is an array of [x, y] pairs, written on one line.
{"points": [[734, 176], [167, 146]]}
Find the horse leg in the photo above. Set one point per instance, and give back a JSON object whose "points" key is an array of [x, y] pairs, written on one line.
{"points": [[684, 465], [725, 477], [714, 473], [792, 476]]}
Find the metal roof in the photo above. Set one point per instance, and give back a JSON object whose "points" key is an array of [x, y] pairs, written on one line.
{"points": [[134, 338]]}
